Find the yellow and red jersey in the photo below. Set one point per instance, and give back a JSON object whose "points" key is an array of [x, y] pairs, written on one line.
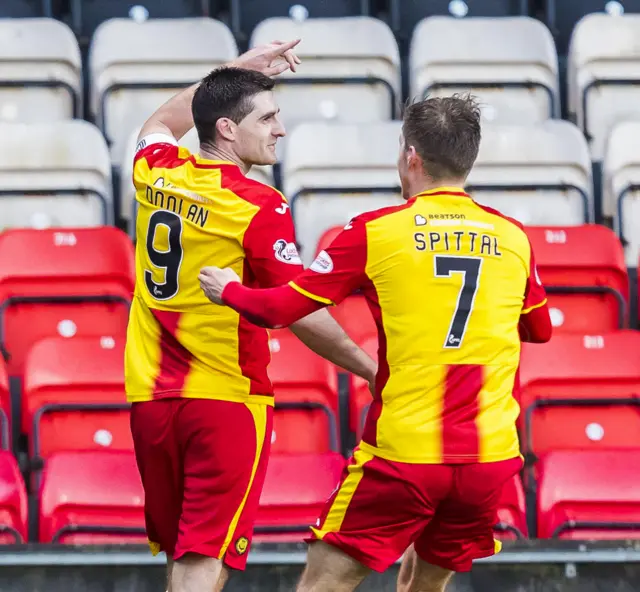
{"points": [[447, 281], [195, 213]]}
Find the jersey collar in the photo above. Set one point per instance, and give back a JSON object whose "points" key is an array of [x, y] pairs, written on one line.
{"points": [[452, 191]]}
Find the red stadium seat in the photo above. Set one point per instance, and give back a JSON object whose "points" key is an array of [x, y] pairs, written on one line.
{"points": [[13, 502], [584, 272], [512, 520], [589, 495], [360, 398], [62, 282], [73, 396], [5, 408], [91, 498], [306, 391], [295, 491]]}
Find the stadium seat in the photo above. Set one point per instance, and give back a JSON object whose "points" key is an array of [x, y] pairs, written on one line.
{"points": [[5, 408], [73, 396], [539, 174], [562, 16], [354, 78], [40, 70], [587, 495], [512, 519], [306, 391], [580, 392], [621, 186], [248, 13], [360, 396], [332, 172], [510, 64], [603, 68], [134, 70], [128, 206], [584, 273], [295, 491], [54, 175], [13, 502], [22, 8], [55, 282], [91, 498], [404, 15]]}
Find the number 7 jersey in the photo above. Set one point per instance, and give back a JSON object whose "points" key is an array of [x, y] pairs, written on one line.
{"points": [[194, 213], [446, 280]]}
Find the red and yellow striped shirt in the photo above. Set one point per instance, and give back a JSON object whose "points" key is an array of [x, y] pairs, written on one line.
{"points": [[194, 213], [446, 280]]}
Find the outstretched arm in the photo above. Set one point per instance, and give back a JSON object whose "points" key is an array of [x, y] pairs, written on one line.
{"points": [[174, 117]]}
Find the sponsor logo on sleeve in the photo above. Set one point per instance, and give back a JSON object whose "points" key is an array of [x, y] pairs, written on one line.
{"points": [[141, 144], [286, 252], [282, 209], [323, 263]]}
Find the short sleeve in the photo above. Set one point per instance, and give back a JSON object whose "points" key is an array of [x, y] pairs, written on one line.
{"points": [[340, 270], [270, 245], [535, 295]]}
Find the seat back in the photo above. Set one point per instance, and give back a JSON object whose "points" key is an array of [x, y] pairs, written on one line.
{"points": [[354, 78], [64, 283], [13, 501], [134, 70], [40, 71], [333, 172], [587, 495], [91, 498], [621, 186], [306, 391], [602, 49], [54, 175], [581, 392], [538, 174], [584, 273], [128, 205], [295, 491], [509, 63], [73, 396], [512, 516]]}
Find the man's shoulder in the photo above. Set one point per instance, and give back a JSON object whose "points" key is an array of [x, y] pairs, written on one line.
{"points": [[498, 214], [255, 192], [381, 213]]}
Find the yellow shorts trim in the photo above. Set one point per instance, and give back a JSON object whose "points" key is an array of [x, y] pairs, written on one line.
{"points": [[310, 295]]}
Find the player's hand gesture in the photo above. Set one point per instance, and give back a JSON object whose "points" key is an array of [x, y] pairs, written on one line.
{"points": [[271, 59], [214, 280]]}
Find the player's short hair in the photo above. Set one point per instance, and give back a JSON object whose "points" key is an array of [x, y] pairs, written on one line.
{"points": [[445, 133], [225, 92]]}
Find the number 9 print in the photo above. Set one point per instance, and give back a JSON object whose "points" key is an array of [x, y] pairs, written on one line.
{"points": [[170, 260]]}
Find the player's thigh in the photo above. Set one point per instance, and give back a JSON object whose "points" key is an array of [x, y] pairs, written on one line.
{"points": [[160, 466], [416, 575], [222, 445], [462, 528], [380, 507]]}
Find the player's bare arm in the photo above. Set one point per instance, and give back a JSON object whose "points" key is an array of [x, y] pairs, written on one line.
{"points": [[282, 307], [174, 118]]}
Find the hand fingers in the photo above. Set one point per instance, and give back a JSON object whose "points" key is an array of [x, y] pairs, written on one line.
{"points": [[276, 69], [282, 48], [291, 60]]}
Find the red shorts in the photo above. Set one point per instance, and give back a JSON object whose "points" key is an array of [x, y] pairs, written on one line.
{"points": [[447, 511], [202, 464]]}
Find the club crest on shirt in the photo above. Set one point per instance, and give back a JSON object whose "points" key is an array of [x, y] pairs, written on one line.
{"points": [[286, 252], [323, 263], [242, 545]]}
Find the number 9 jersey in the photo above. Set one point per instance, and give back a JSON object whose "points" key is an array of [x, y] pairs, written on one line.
{"points": [[194, 213]]}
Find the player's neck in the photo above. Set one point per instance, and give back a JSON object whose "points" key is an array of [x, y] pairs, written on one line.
{"points": [[217, 153]]}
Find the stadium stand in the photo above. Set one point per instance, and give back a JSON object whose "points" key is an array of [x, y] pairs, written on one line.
{"points": [[306, 389], [586, 495], [621, 185], [61, 282], [355, 78], [352, 167], [13, 502], [80, 506], [539, 174], [580, 392], [134, 70], [40, 71], [54, 175], [510, 64], [73, 397], [295, 490], [603, 71], [584, 273]]}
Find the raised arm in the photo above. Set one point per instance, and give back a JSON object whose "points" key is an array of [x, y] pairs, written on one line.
{"points": [[174, 117]]}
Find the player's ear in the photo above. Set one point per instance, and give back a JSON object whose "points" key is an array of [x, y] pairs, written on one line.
{"points": [[413, 158], [226, 129]]}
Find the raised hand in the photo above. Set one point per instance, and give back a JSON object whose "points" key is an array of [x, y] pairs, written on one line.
{"points": [[271, 59]]}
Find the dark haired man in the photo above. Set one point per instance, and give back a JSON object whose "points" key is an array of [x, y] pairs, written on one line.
{"points": [[196, 374], [453, 289]]}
